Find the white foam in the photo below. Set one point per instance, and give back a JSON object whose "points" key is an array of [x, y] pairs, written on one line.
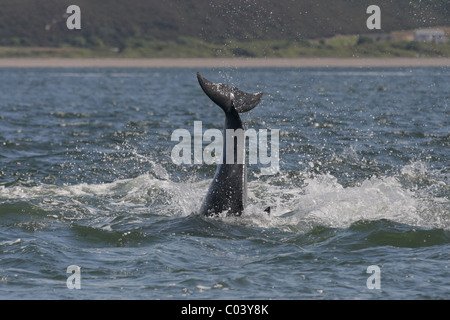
{"points": [[318, 200], [328, 203], [322, 200], [142, 193], [10, 243]]}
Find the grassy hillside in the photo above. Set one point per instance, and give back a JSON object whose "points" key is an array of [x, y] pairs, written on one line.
{"points": [[194, 48], [211, 28]]}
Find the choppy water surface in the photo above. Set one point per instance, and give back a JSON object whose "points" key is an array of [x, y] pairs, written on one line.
{"points": [[86, 179]]}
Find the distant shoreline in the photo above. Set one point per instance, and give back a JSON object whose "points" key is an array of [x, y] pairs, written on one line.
{"points": [[219, 62]]}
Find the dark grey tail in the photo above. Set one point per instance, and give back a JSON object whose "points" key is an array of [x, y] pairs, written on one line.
{"points": [[228, 97]]}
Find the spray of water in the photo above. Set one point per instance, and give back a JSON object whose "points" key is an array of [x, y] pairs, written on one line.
{"points": [[320, 200]]}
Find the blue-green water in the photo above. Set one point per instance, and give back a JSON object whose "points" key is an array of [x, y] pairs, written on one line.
{"points": [[87, 179]]}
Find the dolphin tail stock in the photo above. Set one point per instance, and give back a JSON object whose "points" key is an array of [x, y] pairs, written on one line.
{"points": [[228, 97]]}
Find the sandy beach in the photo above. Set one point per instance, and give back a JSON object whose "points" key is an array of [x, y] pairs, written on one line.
{"points": [[218, 62]]}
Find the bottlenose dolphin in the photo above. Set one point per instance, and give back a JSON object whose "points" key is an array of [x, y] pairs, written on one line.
{"points": [[228, 190]]}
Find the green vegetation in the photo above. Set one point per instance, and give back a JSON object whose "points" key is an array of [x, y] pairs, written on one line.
{"points": [[350, 46], [219, 28]]}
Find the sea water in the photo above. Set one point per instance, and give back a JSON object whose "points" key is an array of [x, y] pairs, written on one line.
{"points": [[360, 206]]}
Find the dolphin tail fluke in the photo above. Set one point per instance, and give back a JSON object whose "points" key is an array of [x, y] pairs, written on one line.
{"points": [[228, 97]]}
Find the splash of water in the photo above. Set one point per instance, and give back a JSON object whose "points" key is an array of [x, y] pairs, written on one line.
{"points": [[319, 200]]}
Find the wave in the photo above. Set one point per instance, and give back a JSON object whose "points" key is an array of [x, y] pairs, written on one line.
{"points": [[300, 201], [323, 201]]}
